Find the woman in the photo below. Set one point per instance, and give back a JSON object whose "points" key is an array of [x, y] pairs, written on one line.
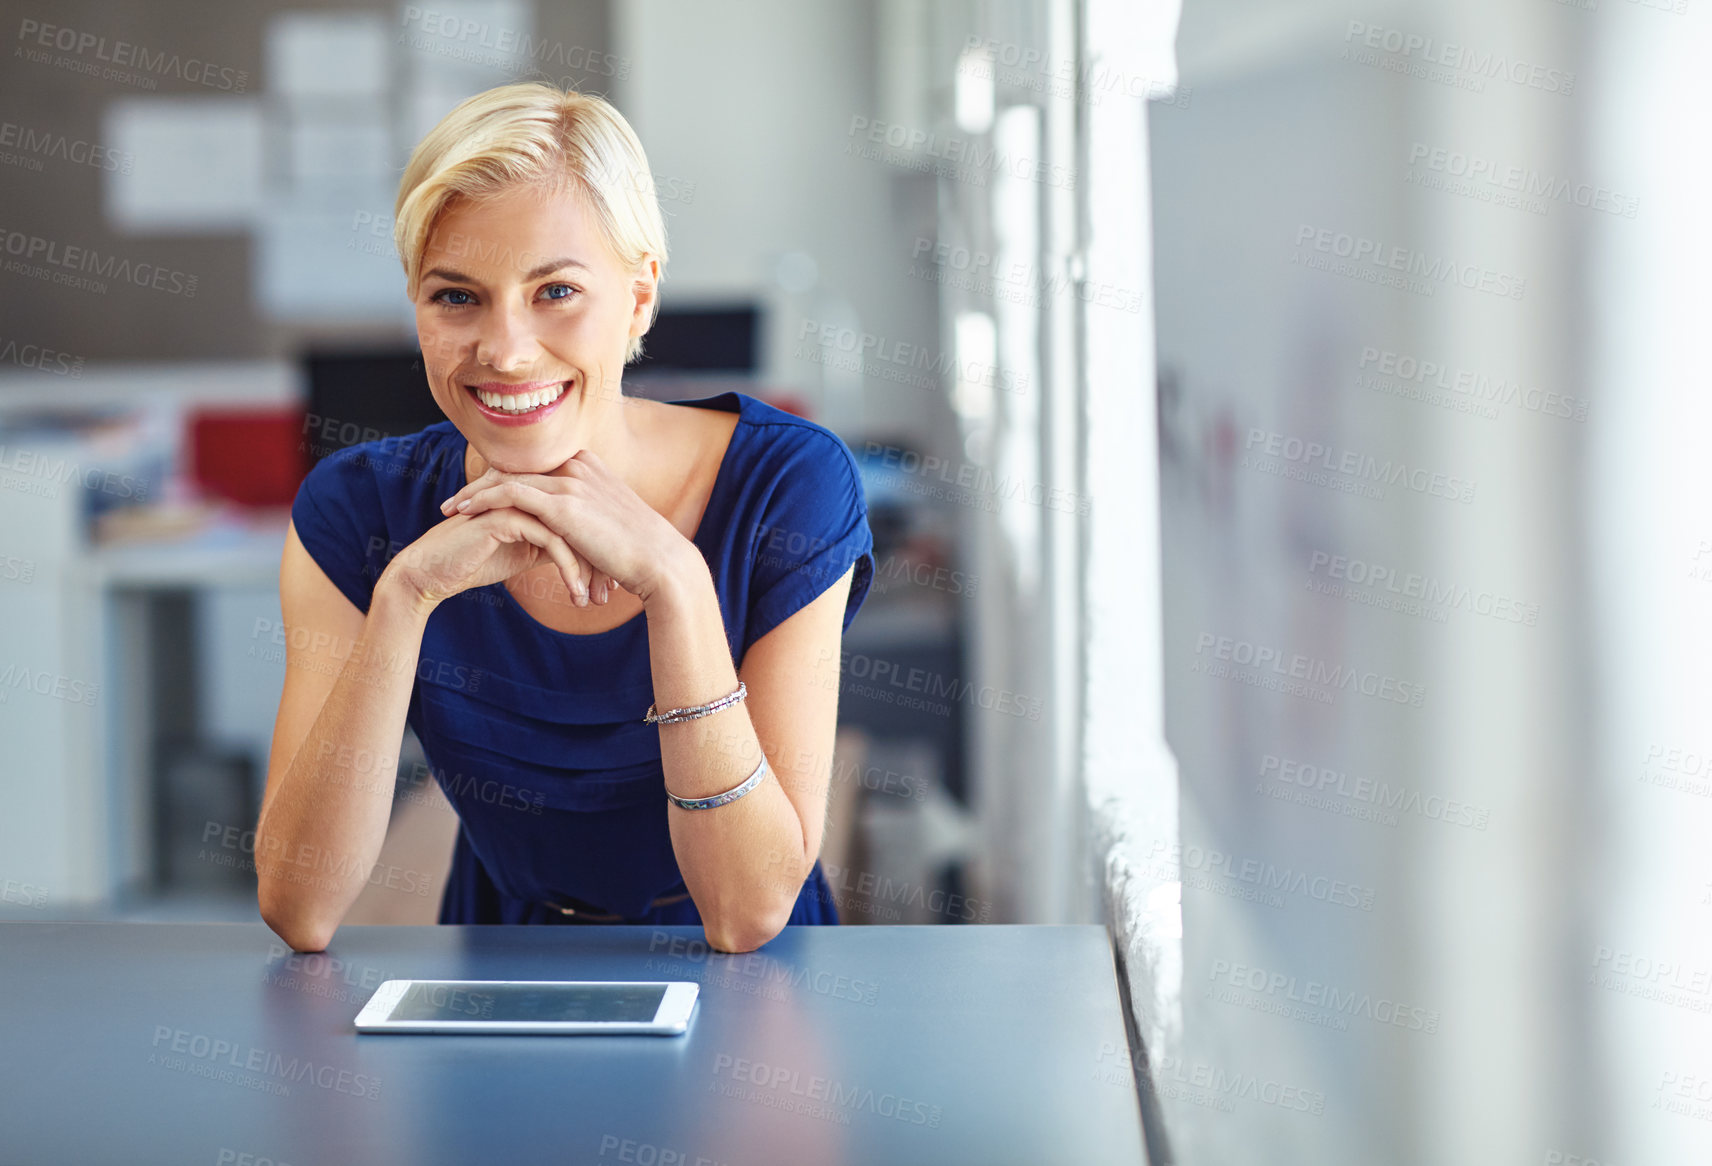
{"points": [[613, 623]]}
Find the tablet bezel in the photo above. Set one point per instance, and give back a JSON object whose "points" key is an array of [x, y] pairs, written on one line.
{"points": [[670, 1019]]}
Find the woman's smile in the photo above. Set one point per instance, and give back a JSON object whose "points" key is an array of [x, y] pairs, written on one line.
{"points": [[523, 403]]}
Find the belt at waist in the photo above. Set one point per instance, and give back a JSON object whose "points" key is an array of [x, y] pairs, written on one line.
{"points": [[581, 912]]}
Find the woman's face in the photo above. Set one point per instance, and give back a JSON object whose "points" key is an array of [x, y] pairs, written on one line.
{"points": [[524, 314]]}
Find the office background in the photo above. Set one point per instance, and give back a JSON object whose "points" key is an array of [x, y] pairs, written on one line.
{"points": [[1282, 427]]}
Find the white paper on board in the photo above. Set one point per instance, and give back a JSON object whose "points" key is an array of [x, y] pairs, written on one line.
{"points": [[197, 163], [328, 158], [330, 265], [328, 54]]}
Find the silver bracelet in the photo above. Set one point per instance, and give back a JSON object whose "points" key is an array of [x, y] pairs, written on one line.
{"points": [[730, 795], [672, 716]]}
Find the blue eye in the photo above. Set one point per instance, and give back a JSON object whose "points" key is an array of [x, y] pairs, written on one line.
{"points": [[439, 297], [565, 287]]}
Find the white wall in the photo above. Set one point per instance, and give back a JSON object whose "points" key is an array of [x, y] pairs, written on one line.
{"points": [[1477, 926], [753, 105], [1644, 961]]}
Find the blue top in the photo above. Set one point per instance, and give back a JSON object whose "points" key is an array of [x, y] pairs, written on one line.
{"points": [[536, 735]]}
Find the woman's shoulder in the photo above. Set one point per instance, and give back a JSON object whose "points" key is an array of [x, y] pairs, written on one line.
{"points": [[783, 423], [779, 443], [804, 521], [359, 505]]}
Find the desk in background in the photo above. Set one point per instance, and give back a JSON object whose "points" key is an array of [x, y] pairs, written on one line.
{"points": [[179, 1043]]}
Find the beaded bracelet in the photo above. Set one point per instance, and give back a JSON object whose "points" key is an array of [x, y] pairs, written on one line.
{"points": [[672, 716], [730, 795]]}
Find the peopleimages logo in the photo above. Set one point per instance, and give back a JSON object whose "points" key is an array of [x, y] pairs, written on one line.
{"points": [[1316, 994], [1410, 262], [1410, 585], [457, 36], [1478, 63], [50, 253], [1468, 382], [45, 683], [969, 158], [1522, 181], [1665, 981], [1684, 1094], [1357, 467], [1263, 875], [35, 356], [888, 680], [50, 144], [975, 479], [1679, 769], [55, 470], [763, 969], [226, 1054], [122, 59], [879, 355], [1200, 1081], [845, 1098], [1310, 670], [1384, 795]]}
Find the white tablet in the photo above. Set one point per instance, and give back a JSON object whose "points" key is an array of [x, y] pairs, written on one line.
{"points": [[567, 1007]]}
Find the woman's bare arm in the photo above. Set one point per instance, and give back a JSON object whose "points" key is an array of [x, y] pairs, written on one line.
{"points": [[341, 717], [333, 761], [745, 862]]}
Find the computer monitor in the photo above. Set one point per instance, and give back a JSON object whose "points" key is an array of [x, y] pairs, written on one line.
{"points": [[358, 396], [707, 339]]}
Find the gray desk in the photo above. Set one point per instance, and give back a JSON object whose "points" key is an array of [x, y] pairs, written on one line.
{"points": [[203, 1043]]}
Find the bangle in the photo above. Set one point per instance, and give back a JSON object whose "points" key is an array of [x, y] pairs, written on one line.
{"points": [[672, 716], [730, 795]]}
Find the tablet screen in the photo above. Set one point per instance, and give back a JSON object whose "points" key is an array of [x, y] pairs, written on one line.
{"points": [[597, 1002]]}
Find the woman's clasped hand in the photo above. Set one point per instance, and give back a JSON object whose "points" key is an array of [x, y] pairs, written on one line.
{"points": [[584, 519]]}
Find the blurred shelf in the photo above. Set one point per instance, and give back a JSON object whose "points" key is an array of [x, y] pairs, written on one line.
{"points": [[226, 553]]}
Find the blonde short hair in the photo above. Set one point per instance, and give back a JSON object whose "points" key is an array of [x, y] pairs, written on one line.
{"points": [[533, 133]]}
